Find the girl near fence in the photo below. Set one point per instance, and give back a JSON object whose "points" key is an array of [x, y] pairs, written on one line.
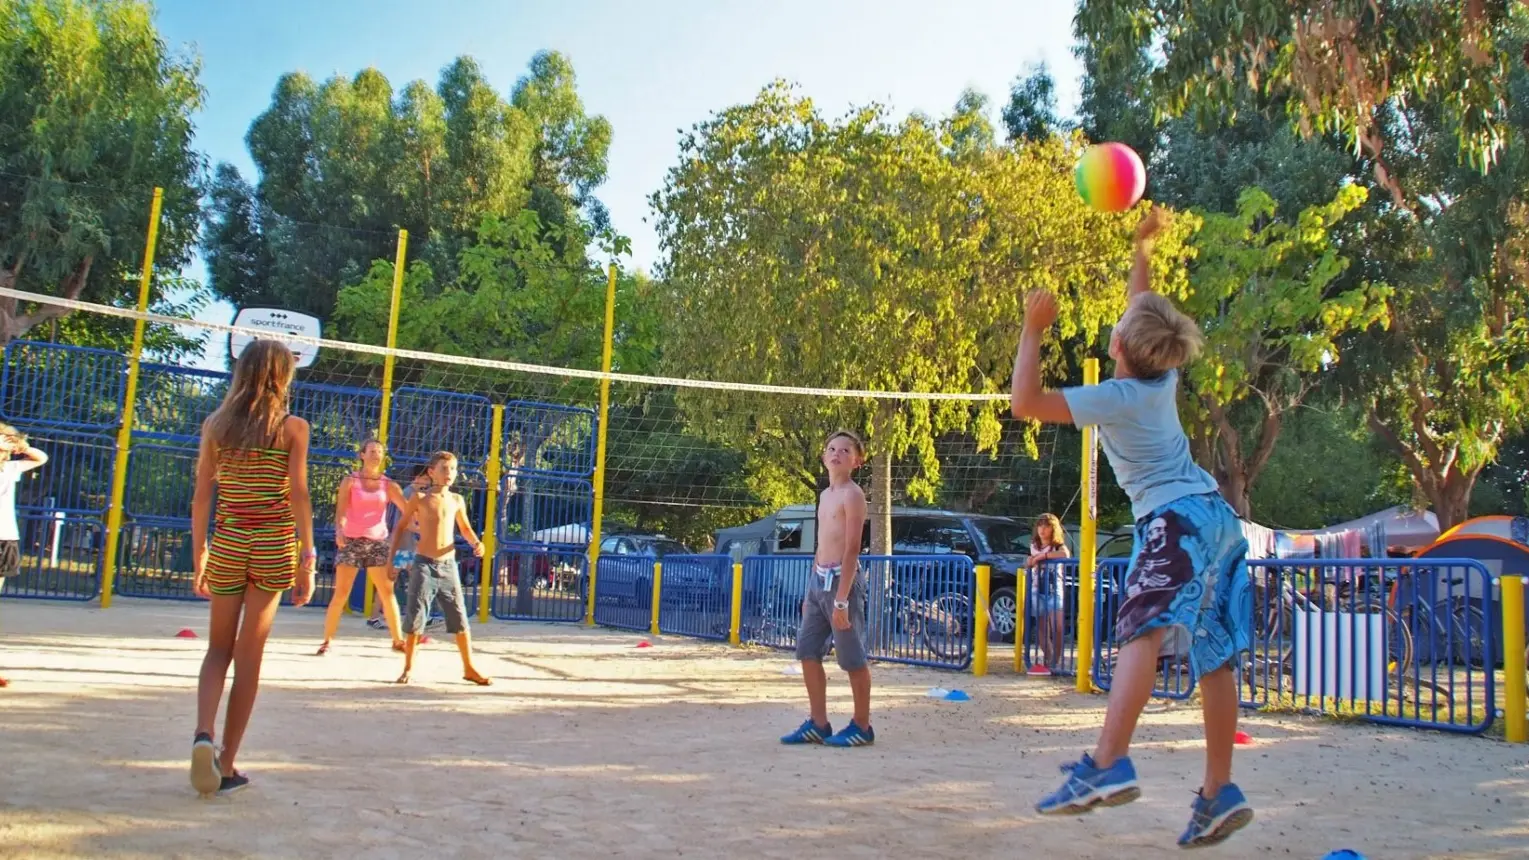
{"points": [[13, 445], [256, 456], [1048, 546], [361, 536]]}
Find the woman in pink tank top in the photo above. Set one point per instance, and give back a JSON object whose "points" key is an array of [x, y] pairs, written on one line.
{"points": [[361, 536]]}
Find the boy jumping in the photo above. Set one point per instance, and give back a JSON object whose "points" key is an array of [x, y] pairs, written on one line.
{"points": [[1187, 589], [433, 577], [834, 608]]}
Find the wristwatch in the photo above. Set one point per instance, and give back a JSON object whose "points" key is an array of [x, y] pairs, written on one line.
{"points": [[841, 604]]}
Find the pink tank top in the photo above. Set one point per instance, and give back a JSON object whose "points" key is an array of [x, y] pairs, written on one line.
{"points": [[366, 517]]}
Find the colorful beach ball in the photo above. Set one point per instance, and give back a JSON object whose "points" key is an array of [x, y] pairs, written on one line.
{"points": [[1110, 177]]}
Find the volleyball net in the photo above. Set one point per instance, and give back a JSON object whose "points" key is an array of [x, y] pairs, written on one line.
{"points": [[682, 458]]}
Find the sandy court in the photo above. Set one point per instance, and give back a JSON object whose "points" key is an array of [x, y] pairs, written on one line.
{"points": [[590, 747]]}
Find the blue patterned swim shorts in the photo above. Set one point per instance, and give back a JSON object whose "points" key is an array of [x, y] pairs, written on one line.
{"points": [[1189, 573]]}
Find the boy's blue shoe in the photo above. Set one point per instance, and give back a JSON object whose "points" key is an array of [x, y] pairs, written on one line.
{"points": [[1087, 786], [851, 736], [1212, 821], [808, 733]]}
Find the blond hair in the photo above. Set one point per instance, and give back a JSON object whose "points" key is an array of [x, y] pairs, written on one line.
{"points": [[853, 438], [9, 432], [255, 406], [1156, 337]]}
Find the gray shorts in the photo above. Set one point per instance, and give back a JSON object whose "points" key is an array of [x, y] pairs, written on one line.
{"points": [[817, 630], [435, 579]]}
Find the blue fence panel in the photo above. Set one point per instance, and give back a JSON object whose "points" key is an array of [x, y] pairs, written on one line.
{"points": [[773, 589], [65, 387], [696, 596], [77, 477], [340, 417], [60, 557], [557, 576], [1174, 680], [154, 558], [550, 439], [624, 591], [545, 508], [174, 401], [424, 421], [1409, 643], [919, 609], [1051, 619]]}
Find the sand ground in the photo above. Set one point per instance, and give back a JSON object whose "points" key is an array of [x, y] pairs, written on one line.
{"points": [[588, 746]]}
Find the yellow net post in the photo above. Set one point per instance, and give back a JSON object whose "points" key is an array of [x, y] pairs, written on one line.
{"points": [[1088, 543], [735, 623], [1516, 721], [387, 383], [1021, 592], [979, 631], [605, 411], [488, 570], [658, 593], [125, 432]]}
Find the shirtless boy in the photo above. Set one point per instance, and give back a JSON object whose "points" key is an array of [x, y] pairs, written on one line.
{"points": [[432, 514], [834, 609]]}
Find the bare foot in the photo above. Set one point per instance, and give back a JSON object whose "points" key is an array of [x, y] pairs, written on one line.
{"points": [[403, 679], [323, 649], [476, 678], [398, 646], [4, 683]]}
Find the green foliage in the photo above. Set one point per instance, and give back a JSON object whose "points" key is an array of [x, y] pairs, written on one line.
{"points": [[344, 164], [1031, 113], [96, 113], [1333, 63], [1328, 468], [867, 254]]}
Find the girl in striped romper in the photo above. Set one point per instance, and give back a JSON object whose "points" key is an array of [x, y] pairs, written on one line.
{"points": [[256, 456]]}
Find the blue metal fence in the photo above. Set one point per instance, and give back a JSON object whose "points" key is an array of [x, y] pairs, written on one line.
{"points": [[60, 557], [624, 591], [696, 596], [540, 582], [918, 608], [1409, 643], [424, 421], [61, 387]]}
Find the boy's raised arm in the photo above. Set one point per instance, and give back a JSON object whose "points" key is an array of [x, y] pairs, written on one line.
{"points": [[1027, 398], [1141, 266]]}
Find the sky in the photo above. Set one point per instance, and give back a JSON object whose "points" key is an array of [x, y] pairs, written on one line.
{"points": [[653, 68]]}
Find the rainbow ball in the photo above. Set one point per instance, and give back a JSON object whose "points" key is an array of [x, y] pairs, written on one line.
{"points": [[1110, 177]]}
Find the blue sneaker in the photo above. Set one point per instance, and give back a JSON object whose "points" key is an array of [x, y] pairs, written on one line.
{"points": [[1087, 786], [1212, 821], [808, 733], [851, 736]]}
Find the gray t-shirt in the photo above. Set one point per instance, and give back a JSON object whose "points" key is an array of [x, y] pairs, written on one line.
{"points": [[1139, 428]]}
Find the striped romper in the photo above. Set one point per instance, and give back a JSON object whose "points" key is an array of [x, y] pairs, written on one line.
{"points": [[254, 538]]}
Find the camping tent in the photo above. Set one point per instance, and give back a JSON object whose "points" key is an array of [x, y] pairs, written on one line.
{"points": [[1500, 545]]}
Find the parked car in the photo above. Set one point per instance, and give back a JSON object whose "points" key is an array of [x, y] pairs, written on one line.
{"points": [[1003, 543], [634, 580]]}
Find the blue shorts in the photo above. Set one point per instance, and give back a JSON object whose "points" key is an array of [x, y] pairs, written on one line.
{"points": [[1189, 574]]}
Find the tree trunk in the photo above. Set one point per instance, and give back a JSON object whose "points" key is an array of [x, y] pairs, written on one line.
{"points": [[1434, 467], [13, 325], [881, 504], [1451, 498]]}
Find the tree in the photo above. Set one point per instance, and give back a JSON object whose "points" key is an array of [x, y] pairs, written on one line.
{"points": [[1433, 104], [864, 254], [1264, 292], [97, 113], [1031, 113], [344, 164]]}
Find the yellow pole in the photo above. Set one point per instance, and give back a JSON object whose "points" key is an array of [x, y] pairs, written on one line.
{"points": [[387, 360], [735, 624], [658, 591], [1514, 710], [1021, 589], [1088, 543], [605, 411], [979, 632], [125, 432], [387, 380], [491, 516]]}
